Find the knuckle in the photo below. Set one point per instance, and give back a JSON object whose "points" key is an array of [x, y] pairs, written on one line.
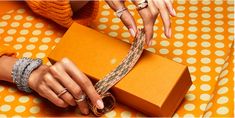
{"points": [[77, 91], [54, 70], [85, 82]]}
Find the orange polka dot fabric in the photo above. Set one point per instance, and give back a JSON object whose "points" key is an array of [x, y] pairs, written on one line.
{"points": [[203, 37]]}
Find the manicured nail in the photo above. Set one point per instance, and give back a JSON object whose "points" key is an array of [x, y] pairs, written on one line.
{"points": [[100, 104], [174, 13], [150, 43], [132, 32]]}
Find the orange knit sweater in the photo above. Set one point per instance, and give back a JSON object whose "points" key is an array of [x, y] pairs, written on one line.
{"points": [[59, 11]]}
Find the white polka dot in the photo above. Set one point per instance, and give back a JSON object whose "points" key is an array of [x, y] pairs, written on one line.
{"points": [[29, 18], [179, 36], [180, 22], [1, 88], [177, 59], [219, 37], [3, 116], [17, 46], [222, 90], [192, 29], [219, 45], [110, 114], [23, 99], [191, 52], [193, 8], [222, 110], [224, 73], [5, 108], [3, 24], [102, 26], [39, 25], [209, 105], [20, 11], [8, 39], [192, 36], [180, 14], [190, 97], [114, 27], [193, 15], [103, 20], [15, 24], [206, 2], [1, 31], [178, 44], [34, 109], [218, 9], [140, 21], [20, 109], [192, 69], [165, 43], [27, 25], [205, 44], [43, 47], [206, 9], [33, 39], [189, 107], [219, 53], [179, 28], [206, 22], [57, 40], [192, 88], [126, 34], [205, 60], [188, 116], [231, 16], [219, 29], [222, 100], [164, 51], [30, 47], [206, 29], [9, 98], [205, 97], [219, 22], [24, 32], [18, 17], [11, 31], [205, 69], [27, 54], [36, 32], [180, 8], [113, 34], [125, 114], [46, 40], [203, 107], [192, 44], [20, 39], [16, 116], [40, 55], [105, 13], [223, 81], [116, 20], [177, 52], [6, 17], [219, 61], [191, 60], [205, 87], [205, 78], [205, 52], [49, 32], [151, 50]]}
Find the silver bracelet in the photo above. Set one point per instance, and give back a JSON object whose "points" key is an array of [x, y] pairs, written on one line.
{"points": [[22, 70]]}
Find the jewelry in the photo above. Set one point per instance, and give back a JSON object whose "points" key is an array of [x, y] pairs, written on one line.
{"points": [[141, 5], [119, 12], [82, 98], [62, 92], [117, 74]]}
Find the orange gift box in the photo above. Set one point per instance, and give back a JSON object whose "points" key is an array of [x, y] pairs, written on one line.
{"points": [[155, 86]]}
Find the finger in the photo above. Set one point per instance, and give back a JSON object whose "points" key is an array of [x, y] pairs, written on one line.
{"points": [[47, 93], [83, 82], [170, 8], [126, 17], [57, 88], [165, 17], [83, 106], [148, 19]]}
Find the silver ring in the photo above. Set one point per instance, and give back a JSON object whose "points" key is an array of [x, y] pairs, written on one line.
{"points": [[62, 92], [119, 12], [82, 98], [141, 5]]}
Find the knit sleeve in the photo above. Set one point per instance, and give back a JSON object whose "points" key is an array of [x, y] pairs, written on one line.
{"points": [[60, 11], [7, 50]]}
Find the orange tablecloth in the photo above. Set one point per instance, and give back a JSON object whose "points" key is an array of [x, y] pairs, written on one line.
{"points": [[202, 39]]}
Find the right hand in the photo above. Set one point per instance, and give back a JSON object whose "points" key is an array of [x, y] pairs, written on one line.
{"points": [[48, 81]]}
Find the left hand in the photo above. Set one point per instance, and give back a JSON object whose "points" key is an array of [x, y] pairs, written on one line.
{"points": [[148, 14]]}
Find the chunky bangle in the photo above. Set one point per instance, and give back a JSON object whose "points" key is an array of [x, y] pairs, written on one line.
{"points": [[22, 70]]}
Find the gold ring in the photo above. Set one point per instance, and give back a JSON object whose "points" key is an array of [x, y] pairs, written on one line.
{"points": [[82, 97], [62, 92]]}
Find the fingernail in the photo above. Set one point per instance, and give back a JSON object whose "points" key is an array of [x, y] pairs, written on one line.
{"points": [[150, 43], [132, 32], [86, 111], [100, 104], [174, 13]]}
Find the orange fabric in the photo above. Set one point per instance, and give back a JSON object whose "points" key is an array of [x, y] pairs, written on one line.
{"points": [[7, 50], [61, 11]]}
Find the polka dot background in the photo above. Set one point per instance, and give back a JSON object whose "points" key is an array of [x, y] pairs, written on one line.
{"points": [[203, 35]]}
